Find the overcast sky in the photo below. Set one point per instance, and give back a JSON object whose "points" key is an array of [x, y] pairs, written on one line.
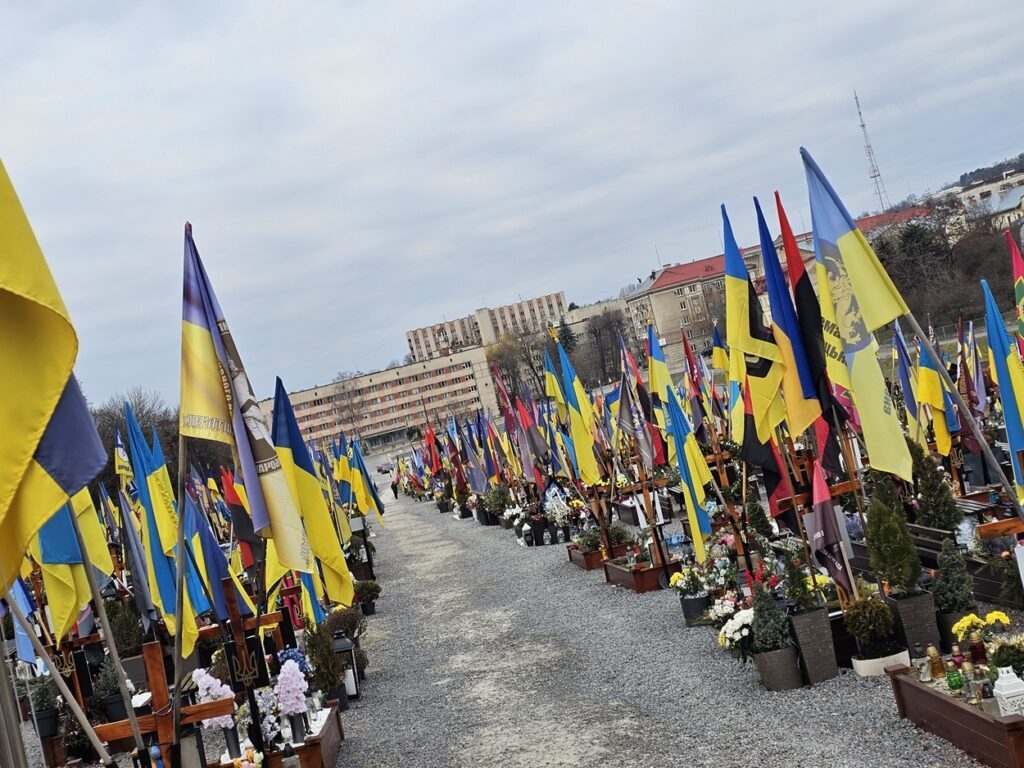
{"points": [[354, 170]]}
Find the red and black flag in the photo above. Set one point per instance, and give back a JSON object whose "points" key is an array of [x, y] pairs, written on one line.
{"points": [[824, 534], [808, 312]]}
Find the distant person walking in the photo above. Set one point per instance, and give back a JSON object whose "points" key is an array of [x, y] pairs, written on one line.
{"points": [[394, 486]]}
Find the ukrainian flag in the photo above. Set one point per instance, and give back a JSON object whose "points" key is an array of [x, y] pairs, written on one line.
{"points": [[160, 561], [909, 385], [861, 298], [210, 361], [694, 475], [363, 491], [309, 498], [932, 392], [661, 385], [719, 352], [798, 389], [553, 389], [747, 333], [1010, 376], [50, 449], [581, 421], [210, 562]]}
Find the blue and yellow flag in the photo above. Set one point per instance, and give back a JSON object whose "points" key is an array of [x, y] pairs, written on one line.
{"points": [[908, 384], [747, 333], [1010, 377], [798, 388], [861, 298], [581, 420], [932, 392], [694, 474], [50, 449], [156, 501], [553, 388], [324, 538], [719, 352], [209, 362], [364, 493]]}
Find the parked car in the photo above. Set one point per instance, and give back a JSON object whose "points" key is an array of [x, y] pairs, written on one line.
{"points": [[386, 469]]}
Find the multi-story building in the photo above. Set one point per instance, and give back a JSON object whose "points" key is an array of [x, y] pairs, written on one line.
{"points": [[485, 326], [380, 407], [691, 297]]}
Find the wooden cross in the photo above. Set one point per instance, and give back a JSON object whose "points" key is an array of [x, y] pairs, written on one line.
{"points": [[161, 722]]}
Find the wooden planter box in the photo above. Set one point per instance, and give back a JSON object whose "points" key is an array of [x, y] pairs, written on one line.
{"points": [[995, 741], [360, 571], [320, 750], [638, 579], [591, 561]]}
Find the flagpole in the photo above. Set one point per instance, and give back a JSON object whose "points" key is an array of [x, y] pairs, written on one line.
{"points": [[69, 697], [179, 619], [115, 656], [12, 749], [965, 411]]}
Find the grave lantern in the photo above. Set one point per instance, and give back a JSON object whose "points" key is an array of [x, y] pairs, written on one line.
{"points": [[347, 649]]}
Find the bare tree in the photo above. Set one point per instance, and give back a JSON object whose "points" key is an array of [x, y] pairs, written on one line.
{"points": [[520, 361], [350, 401], [604, 330]]}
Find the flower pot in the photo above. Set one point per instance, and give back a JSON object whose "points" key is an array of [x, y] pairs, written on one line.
{"points": [[298, 724], [113, 707], [47, 722], [813, 635], [945, 622], [368, 607], [779, 670], [339, 695], [231, 739], [693, 608], [915, 620], [876, 667]]}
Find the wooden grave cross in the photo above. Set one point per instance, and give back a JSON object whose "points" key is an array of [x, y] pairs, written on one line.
{"points": [[160, 723]]}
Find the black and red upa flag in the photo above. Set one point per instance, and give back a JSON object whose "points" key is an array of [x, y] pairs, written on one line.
{"points": [[824, 535], [808, 313]]}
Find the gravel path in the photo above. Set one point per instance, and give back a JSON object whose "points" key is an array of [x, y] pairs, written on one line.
{"points": [[486, 653]]}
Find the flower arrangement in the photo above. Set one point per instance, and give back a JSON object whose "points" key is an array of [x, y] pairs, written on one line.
{"points": [[724, 608], [621, 481], [735, 634], [252, 759], [294, 654], [993, 623], [720, 573], [558, 512], [267, 703], [212, 689], [688, 582], [291, 689], [472, 501]]}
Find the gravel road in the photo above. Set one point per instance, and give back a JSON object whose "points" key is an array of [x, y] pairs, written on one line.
{"points": [[487, 653]]}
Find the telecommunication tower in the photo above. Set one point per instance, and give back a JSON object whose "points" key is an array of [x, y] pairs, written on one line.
{"points": [[873, 172]]}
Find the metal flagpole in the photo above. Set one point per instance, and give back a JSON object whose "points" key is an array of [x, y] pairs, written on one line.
{"points": [[69, 697], [179, 623], [115, 657], [12, 748], [965, 412]]}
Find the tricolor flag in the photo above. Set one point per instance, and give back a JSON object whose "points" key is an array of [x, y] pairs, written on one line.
{"points": [[858, 294], [218, 403]]}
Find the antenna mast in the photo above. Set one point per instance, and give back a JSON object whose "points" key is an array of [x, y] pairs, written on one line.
{"points": [[873, 173]]}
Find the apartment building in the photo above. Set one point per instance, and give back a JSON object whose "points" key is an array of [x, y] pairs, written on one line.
{"points": [[380, 407], [485, 326]]}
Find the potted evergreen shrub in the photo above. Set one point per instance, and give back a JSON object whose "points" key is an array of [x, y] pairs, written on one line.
{"points": [[871, 623], [367, 592], [809, 621], [772, 645], [953, 591], [43, 694], [935, 505], [757, 519], [895, 562], [107, 691], [327, 670], [129, 638], [693, 593]]}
